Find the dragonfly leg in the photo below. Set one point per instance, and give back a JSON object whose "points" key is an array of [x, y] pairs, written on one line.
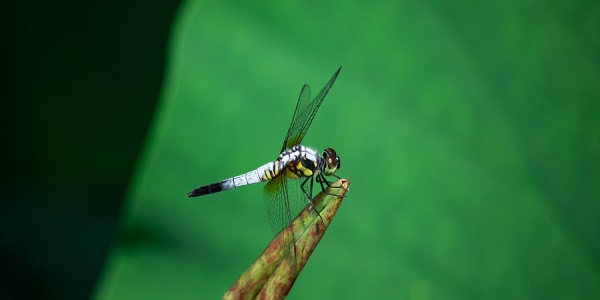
{"points": [[309, 193], [321, 179], [309, 196]]}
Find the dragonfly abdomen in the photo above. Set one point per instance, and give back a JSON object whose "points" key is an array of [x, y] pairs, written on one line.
{"points": [[265, 172]]}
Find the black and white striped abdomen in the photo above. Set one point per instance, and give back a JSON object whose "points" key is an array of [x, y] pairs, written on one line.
{"points": [[263, 173], [300, 159]]}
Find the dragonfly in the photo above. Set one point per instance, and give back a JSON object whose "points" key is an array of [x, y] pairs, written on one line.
{"points": [[290, 178]]}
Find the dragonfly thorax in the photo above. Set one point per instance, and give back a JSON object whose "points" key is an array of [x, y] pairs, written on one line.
{"points": [[305, 162]]}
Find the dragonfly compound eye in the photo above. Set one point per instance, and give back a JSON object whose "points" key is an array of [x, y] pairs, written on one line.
{"points": [[332, 162]]}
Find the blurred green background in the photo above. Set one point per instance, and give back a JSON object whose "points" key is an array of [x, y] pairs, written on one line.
{"points": [[79, 87], [469, 131]]}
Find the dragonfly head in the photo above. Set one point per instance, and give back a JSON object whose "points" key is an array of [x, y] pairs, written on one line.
{"points": [[332, 161]]}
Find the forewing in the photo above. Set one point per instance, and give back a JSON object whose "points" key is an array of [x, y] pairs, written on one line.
{"points": [[295, 127], [305, 113]]}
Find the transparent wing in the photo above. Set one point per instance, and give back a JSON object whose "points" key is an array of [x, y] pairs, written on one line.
{"points": [[277, 202], [305, 113], [284, 200], [280, 212]]}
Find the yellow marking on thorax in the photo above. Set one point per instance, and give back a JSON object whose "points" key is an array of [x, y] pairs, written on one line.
{"points": [[297, 170]]}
